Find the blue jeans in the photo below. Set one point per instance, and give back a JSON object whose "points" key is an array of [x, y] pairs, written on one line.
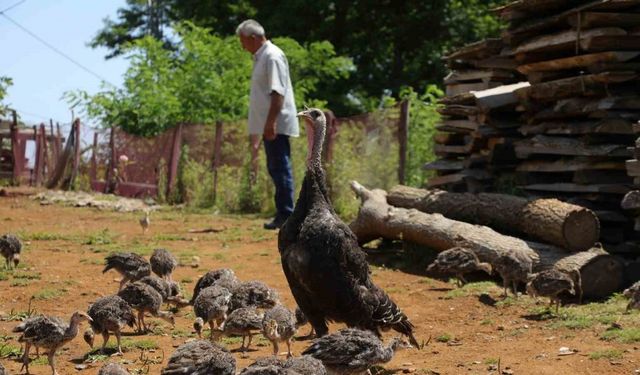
{"points": [[279, 165]]}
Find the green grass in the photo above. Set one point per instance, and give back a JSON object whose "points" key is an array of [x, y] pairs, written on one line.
{"points": [[4, 276], [472, 289], [103, 237], [625, 335], [186, 280], [8, 350], [49, 293], [219, 257], [19, 282], [606, 354], [27, 275], [40, 361], [231, 340], [128, 344], [486, 322], [491, 361], [445, 337], [170, 237], [92, 261], [593, 314], [44, 236]]}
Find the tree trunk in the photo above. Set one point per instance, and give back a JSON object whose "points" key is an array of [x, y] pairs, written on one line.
{"points": [[568, 226], [601, 273]]}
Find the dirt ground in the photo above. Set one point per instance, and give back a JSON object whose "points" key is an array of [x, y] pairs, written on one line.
{"points": [[62, 268]]}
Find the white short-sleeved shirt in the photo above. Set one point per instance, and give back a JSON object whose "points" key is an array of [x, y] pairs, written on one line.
{"points": [[271, 73]]}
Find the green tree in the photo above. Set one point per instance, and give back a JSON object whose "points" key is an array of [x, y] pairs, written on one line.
{"points": [[392, 43], [205, 80], [5, 83]]}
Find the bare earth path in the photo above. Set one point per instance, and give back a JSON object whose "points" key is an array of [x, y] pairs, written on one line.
{"points": [[65, 248]]}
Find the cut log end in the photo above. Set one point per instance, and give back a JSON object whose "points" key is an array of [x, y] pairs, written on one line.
{"points": [[604, 275], [581, 229]]}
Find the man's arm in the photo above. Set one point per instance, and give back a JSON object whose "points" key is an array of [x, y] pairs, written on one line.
{"points": [[277, 101]]}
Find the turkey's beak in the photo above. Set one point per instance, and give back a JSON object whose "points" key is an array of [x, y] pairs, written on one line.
{"points": [[305, 115]]}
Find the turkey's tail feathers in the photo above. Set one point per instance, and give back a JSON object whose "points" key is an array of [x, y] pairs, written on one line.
{"points": [[388, 315], [406, 328]]}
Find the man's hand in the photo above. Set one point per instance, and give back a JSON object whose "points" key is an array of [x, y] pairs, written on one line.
{"points": [[270, 132]]}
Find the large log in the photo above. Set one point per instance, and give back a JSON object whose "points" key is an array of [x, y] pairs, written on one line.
{"points": [[566, 225], [602, 274]]}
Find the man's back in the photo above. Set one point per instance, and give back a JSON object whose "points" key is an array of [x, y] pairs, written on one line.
{"points": [[271, 74]]}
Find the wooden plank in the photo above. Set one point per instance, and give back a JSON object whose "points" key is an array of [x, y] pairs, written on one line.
{"points": [[460, 88], [567, 40], [616, 106], [478, 174], [604, 126], [496, 62], [449, 138], [612, 66], [588, 20], [444, 165], [499, 96], [580, 61], [633, 167], [458, 110], [457, 76], [447, 150], [600, 176], [536, 26], [478, 50], [462, 125], [569, 165], [546, 145], [604, 42], [527, 8], [584, 85], [577, 188]]}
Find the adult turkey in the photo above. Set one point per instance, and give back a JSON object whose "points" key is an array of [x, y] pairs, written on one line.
{"points": [[326, 268]]}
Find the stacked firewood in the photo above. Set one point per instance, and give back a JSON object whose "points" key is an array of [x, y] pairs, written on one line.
{"points": [[571, 128], [582, 61], [478, 116]]}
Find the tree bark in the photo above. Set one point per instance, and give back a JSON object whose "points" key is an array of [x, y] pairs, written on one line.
{"points": [[568, 226], [601, 273]]}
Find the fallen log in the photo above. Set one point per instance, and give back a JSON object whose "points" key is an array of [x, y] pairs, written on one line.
{"points": [[602, 274], [568, 226]]}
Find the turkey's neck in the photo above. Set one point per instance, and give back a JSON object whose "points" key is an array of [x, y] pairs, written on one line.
{"points": [[315, 158], [72, 331]]}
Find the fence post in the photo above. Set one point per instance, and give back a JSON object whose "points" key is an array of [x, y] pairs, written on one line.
{"points": [[217, 148], [175, 158], [76, 154], [45, 151], [58, 139], [403, 132], [109, 186], [330, 138], [93, 173], [35, 172], [54, 152], [17, 160]]}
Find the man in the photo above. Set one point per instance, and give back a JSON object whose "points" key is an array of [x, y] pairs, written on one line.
{"points": [[272, 113]]}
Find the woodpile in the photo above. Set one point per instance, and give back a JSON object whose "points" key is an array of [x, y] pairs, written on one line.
{"points": [[571, 132], [478, 117]]}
